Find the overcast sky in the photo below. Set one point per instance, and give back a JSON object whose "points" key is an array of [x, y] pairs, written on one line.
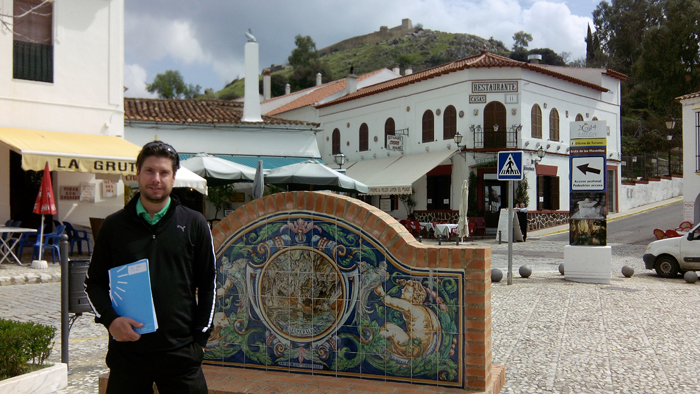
{"points": [[204, 40]]}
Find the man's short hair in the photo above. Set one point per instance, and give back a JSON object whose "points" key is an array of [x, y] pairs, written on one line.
{"points": [[158, 149]]}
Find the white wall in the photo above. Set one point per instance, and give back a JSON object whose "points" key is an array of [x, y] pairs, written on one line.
{"points": [[691, 186], [633, 196], [86, 95]]}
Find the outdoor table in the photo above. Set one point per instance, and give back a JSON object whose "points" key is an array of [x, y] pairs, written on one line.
{"points": [[427, 226], [445, 229], [9, 243]]}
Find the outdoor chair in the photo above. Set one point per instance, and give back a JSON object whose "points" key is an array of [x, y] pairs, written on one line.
{"points": [[25, 239], [685, 226], [51, 241], [480, 228], [77, 237], [672, 234]]}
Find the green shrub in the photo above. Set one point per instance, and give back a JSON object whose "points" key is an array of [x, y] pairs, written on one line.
{"points": [[21, 343]]}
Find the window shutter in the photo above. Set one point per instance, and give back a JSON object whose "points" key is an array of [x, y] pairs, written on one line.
{"points": [[540, 192], [555, 192]]}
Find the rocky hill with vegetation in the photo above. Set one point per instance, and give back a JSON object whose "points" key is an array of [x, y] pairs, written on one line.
{"points": [[420, 49]]}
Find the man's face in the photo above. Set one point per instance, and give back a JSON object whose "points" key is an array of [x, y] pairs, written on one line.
{"points": [[156, 179]]}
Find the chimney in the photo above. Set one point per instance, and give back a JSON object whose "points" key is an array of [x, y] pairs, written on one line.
{"points": [[351, 83], [318, 79], [409, 70], [534, 58], [267, 84], [251, 101], [397, 70], [287, 89]]}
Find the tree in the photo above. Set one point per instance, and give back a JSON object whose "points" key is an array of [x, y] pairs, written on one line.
{"points": [[221, 197], [170, 85], [306, 63], [548, 56], [305, 53], [521, 40]]}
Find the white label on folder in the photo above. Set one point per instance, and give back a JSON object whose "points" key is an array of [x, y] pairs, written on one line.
{"points": [[137, 268]]}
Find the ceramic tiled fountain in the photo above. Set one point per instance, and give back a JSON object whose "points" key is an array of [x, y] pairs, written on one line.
{"points": [[324, 284]]}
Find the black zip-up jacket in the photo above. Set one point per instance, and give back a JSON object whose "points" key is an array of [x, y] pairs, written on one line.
{"points": [[182, 267]]}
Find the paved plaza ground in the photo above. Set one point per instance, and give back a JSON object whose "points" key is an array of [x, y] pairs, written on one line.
{"points": [[636, 335]]}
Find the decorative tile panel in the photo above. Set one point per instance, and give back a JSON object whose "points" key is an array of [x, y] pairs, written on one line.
{"points": [[302, 291], [324, 284]]}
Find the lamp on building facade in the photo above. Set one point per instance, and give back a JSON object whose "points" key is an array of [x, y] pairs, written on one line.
{"points": [[339, 159], [670, 125], [540, 154], [458, 140]]}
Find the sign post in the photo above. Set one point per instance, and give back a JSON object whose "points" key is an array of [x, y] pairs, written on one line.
{"points": [[587, 257], [510, 168]]}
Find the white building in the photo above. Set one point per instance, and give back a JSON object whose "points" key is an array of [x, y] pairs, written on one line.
{"points": [[691, 161], [496, 104], [61, 102]]}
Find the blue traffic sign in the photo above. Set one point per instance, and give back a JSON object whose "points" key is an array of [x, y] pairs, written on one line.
{"points": [[510, 166]]}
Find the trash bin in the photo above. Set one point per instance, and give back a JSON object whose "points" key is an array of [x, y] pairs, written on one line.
{"points": [[77, 299]]}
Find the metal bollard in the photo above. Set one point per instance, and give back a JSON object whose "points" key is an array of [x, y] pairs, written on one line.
{"points": [[420, 238], [65, 329], [499, 237]]}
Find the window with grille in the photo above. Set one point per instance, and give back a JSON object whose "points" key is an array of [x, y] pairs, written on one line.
{"points": [[536, 121], [554, 125], [449, 123], [428, 126], [364, 137], [32, 52], [336, 142], [389, 129]]}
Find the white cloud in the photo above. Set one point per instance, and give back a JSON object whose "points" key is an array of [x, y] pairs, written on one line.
{"points": [[562, 32], [135, 82]]}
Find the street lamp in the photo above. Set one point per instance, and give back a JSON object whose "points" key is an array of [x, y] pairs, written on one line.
{"points": [[540, 154], [670, 125], [339, 159], [458, 140]]}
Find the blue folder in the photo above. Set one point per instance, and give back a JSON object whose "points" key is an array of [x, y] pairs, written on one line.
{"points": [[130, 291]]}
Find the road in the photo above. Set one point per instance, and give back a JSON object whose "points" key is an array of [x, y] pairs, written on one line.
{"points": [[637, 229]]}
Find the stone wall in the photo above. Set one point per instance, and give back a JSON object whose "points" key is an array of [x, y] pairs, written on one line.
{"points": [[326, 284], [383, 34]]}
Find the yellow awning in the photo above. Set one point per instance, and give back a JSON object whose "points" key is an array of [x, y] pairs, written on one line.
{"points": [[72, 152]]}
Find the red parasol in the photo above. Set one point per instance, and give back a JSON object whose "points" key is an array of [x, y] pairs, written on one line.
{"points": [[45, 204]]}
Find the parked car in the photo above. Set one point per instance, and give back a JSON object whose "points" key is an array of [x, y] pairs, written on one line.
{"points": [[670, 256]]}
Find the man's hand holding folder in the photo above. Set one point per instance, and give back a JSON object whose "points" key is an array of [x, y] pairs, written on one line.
{"points": [[122, 329]]}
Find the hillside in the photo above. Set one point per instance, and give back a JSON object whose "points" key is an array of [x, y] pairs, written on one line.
{"points": [[420, 49]]}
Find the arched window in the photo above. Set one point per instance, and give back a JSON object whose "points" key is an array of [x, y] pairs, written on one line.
{"points": [[449, 123], [595, 118], [428, 126], [364, 137], [536, 121], [336, 142], [389, 129], [554, 125], [495, 114], [579, 118]]}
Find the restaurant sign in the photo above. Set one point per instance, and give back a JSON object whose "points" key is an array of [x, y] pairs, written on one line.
{"points": [[79, 164], [494, 87], [394, 142]]}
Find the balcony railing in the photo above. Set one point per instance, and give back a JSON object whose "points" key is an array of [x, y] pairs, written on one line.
{"points": [[489, 139]]}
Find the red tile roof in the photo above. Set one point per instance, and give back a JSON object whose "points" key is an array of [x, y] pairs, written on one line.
{"points": [[482, 60], [688, 96], [327, 89], [195, 111]]}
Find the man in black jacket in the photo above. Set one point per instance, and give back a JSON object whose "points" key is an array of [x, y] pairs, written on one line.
{"points": [[178, 245]]}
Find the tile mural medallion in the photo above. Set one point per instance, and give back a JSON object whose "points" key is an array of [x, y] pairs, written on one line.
{"points": [[307, 292]]}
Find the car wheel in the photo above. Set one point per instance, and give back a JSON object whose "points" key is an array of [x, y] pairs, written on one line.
{"points": [[666, 267]]}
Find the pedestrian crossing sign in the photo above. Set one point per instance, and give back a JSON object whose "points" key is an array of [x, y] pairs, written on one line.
{"points": [[510, 166]]}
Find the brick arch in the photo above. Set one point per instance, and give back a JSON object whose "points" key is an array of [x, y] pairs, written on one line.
{"points": [[369, 239]]}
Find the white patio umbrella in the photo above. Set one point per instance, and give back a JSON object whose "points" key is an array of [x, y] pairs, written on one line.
{"points": [[258, 183], [313, 173], [462, 224], [187, 178], [218, 171]]}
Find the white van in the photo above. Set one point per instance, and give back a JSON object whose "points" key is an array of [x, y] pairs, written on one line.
{"points": [[670, 256]]}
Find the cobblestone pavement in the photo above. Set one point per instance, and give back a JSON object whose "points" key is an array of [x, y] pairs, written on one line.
{"points": [[635, 335]]}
